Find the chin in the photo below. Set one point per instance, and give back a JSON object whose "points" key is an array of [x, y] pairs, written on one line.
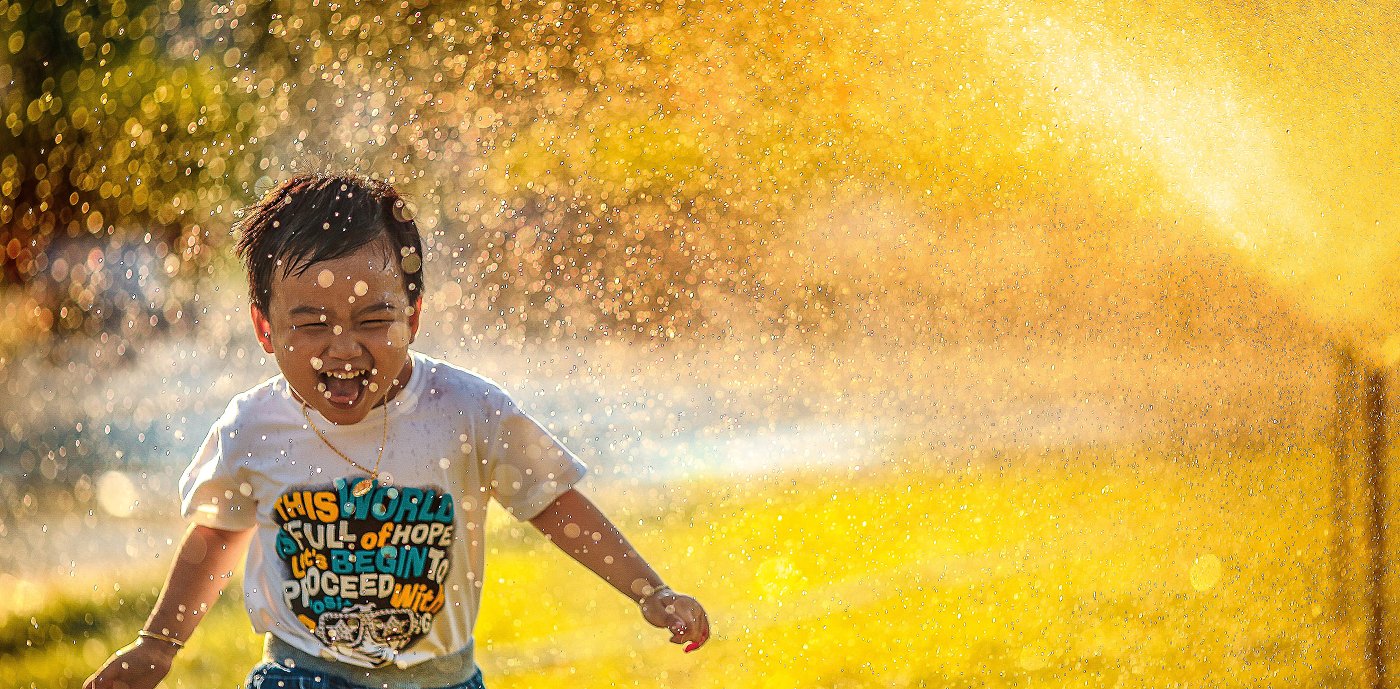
{"points": [[336, 413]]}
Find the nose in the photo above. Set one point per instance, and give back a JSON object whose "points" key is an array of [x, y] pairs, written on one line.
{"points": [[343, 346]]}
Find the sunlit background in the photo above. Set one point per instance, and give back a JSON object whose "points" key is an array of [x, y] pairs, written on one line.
{"points": [[929, 344]]}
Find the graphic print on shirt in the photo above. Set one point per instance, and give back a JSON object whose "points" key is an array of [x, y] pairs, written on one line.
{"points": [[365, 573]]}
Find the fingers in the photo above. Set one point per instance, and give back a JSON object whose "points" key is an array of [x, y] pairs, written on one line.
{"points": [[126, 670], [702, 633], [101, 680], [682, 616], [689, 625], [98, 680]]}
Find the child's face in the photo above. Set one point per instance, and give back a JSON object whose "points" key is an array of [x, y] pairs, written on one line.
{"points": [[340, 332]]}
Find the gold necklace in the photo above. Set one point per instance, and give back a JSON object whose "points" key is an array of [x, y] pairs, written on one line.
{"points": [[364, 485]]}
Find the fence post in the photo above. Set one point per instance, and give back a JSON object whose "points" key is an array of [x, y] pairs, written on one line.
{"points": [[1341, 484], [1375, 407]]}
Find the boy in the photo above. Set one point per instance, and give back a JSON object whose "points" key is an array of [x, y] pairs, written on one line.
{"points": [[357, 481]]}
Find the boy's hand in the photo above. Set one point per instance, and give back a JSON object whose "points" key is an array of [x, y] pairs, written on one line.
{"points": [[142, 664], [680, 614]]}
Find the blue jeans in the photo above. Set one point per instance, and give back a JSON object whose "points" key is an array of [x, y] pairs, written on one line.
{"points": [[269, 675]]}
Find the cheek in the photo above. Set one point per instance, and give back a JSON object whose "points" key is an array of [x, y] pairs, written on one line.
{"points": [[294, 344], [397, 335]]}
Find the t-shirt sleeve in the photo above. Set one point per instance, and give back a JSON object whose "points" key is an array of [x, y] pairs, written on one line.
{"points": [[527, 467], [213, 491]]}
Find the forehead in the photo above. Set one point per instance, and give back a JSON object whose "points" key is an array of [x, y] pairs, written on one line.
{"points": [[368, 272]]}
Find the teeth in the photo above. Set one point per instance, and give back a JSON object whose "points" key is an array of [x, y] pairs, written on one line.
{"points": [[344, 375]]}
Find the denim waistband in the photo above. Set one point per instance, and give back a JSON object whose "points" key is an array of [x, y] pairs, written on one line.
{"points": [[271, 675], [458, 671]]}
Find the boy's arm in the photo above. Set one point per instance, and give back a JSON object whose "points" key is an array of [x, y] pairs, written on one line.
{"points": [[202, 564], [582, 531]]}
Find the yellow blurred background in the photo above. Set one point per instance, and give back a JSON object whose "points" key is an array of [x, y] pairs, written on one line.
{"points": [[938, 344]]}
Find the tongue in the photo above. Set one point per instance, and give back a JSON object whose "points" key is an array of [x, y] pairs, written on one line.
{"points": [[343, 392]]}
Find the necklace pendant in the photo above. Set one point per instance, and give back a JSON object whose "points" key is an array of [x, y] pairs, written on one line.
{"points": [[361, 488]]}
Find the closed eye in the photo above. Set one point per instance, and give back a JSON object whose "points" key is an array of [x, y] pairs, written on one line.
{"points": [[305, 326]]}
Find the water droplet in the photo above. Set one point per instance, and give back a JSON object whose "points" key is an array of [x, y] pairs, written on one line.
{"points": [[641, 587], [325, 278], [116, 494], [1205, 572]]}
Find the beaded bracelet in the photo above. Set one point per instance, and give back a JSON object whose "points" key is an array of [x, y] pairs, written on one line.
{"points": [[178, 644], [653, 592]]}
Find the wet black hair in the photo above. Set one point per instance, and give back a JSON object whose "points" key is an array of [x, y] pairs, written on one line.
{"points": [[321, 217]]}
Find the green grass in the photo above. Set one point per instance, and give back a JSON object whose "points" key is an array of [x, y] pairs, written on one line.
{"points": [[1085, 569]]}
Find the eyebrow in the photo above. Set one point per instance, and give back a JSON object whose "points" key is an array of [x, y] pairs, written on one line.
{"points": [[318, 310]]}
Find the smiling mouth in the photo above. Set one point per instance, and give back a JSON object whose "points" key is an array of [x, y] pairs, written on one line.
{"points": [[343, 388]]}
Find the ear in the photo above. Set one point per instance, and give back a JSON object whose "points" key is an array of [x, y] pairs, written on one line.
{"points": [[262, 328], [413, 319]]}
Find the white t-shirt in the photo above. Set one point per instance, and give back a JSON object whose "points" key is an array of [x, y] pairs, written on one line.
{"points": [[393, 577]]}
